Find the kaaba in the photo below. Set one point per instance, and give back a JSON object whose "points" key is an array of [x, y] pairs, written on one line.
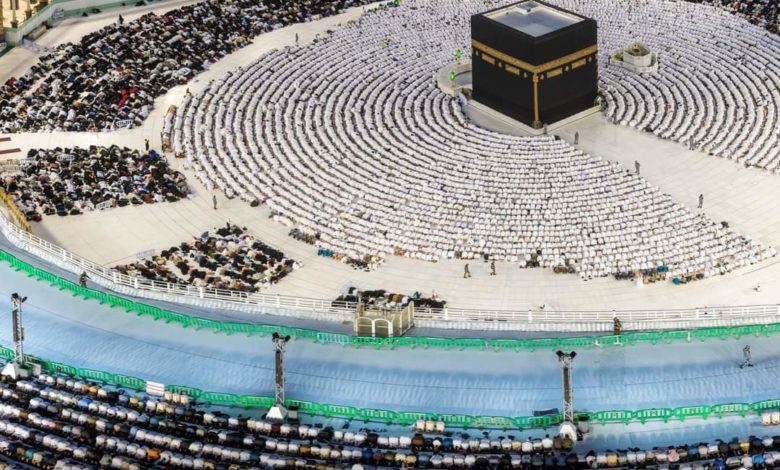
{"points": [[534, 62]]}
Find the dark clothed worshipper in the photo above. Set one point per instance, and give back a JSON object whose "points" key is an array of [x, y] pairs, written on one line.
{"points": [[747, 357], [83, 279], [70, 181], [111, 77], [226, 258]]}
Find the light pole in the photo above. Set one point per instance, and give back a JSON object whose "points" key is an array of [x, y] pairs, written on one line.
{"points": [[278, 412], [567, 426], [17, 369], [17, 301]]}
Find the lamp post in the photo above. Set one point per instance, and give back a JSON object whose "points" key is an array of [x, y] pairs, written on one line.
{"points": [[278, 412], [567, 426], [16, 302], [17, 369]]}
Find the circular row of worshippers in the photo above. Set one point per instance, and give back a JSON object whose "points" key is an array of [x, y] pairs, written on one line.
{"points": [[716, 89], [359, 148], [763, 13], [74, 88], [78, 86], [65, 423]]}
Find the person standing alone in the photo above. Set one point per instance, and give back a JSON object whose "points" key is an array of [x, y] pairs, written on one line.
{"points": [[747, 357]]}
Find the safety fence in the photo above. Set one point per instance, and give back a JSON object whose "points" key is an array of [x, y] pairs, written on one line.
{"points": [[405, 417], [319, 309], [19, 218], [521, 344]]}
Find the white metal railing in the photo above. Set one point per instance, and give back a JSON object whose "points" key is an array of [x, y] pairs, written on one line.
{"points": [[340, 311]]}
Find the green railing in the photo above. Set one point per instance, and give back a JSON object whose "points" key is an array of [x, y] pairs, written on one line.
{"points": [[254, 329], [405, 417]]}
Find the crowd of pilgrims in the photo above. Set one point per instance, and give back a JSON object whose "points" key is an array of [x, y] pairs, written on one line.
{"points": [[70, 181], [62, 422], [227, 258], [381, 298], [113, 75], [764, 13]]}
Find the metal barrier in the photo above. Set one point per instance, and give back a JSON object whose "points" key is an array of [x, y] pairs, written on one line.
{"points": [[527, 344], [320, 309], [405, 418], [19, 218]]}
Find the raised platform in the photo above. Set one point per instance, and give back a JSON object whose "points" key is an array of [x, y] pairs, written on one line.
{"points": [[488, 118], [636, 58], [462, 80]]}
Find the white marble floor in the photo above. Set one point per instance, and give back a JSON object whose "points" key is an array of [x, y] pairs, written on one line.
{"points": [[743, 197]]}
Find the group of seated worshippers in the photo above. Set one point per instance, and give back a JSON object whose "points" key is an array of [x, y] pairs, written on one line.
{"points": [[365, 263], [388, 300], [764, 13], [228, 258], [70, 181], [114, 74]]}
